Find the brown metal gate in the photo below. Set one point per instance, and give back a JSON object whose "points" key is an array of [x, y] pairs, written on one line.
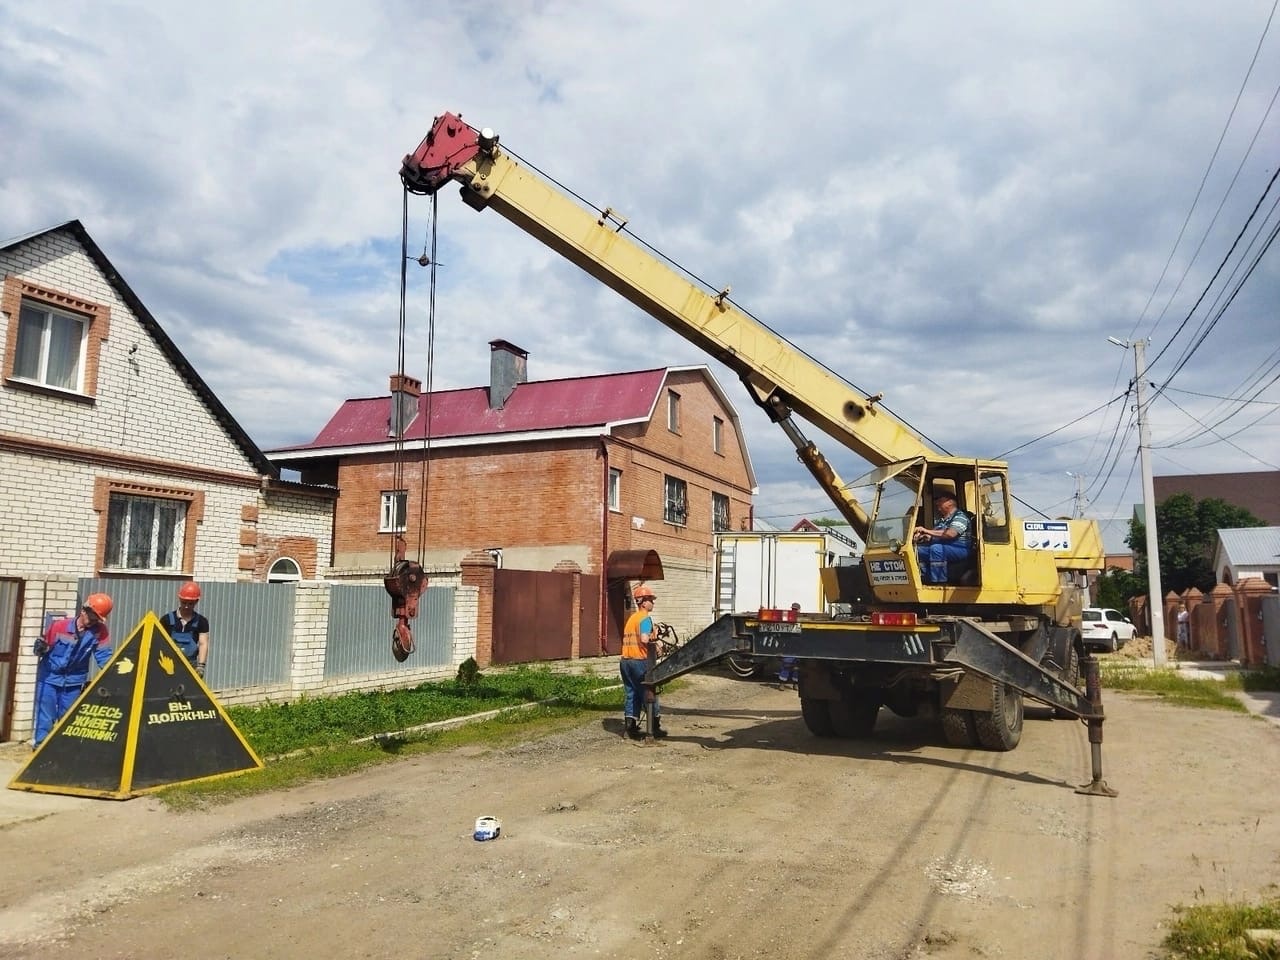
{"points": [[532, 616], [10, 618]]}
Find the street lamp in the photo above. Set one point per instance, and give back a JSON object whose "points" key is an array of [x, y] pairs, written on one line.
{"points": [[1155, 601]]}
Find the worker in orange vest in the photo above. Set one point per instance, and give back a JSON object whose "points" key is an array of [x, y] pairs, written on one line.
{"points": [[636, 637]]}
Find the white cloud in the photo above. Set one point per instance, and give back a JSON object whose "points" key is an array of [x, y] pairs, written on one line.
{"points": [[984, 190]]}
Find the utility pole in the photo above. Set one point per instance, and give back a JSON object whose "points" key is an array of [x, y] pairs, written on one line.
{"points": [[1078, 511], [1155, 600]]}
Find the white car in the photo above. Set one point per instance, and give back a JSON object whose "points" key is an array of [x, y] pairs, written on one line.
{"points": [[1105, 628]]}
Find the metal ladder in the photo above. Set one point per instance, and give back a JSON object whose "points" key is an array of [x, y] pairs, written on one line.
{"points": [[726, 577]]}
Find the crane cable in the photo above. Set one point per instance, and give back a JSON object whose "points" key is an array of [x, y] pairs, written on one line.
{"points": [[399, 422]]}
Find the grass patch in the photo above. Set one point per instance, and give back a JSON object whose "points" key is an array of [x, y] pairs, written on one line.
{"points": [[276, 729], [1216, 931], [312, 738], [1172, 686]]}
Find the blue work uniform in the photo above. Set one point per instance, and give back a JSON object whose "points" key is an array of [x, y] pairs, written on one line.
{"points": [[933, 556], [64, 669], [185, 635]]}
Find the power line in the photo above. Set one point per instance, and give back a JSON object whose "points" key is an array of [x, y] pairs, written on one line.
{"points": [[1200, 189]]}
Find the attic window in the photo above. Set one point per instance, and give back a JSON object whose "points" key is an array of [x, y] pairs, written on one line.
{"points": [[673, 411], [717, 435], [56, 342]]}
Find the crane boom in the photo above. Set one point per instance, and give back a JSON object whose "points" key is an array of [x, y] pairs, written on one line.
{"points": [[780, 377]]}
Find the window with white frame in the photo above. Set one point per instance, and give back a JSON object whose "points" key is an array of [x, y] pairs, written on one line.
{"points": [[395, 504], [673, 411], [719, 511], [144, 533], [717, 435], [676, 509], [284, 570], [615, 489], [50, 346]]}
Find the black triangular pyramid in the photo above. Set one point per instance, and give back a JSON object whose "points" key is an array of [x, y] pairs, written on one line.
{"points": [[146, 721]]}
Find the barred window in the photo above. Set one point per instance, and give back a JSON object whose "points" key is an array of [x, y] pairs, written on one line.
{"points": [[719, 511], [144, 533], [677, 503]]}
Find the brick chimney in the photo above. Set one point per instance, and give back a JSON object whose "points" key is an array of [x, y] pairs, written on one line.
{"points": [[508, 367], [405, 391]]}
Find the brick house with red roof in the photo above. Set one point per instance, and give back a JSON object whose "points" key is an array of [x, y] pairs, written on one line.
{"points": [[605, 472]]}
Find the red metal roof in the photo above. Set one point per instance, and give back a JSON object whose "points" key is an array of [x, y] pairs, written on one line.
{"points": [[537, 405]]}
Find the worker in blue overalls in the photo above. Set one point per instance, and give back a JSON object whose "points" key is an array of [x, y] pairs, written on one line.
{"points": [[65, 649], [189, 629]]}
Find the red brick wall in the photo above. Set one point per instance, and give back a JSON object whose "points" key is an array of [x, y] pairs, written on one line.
{"points": [[554, 492], [513, 494]]}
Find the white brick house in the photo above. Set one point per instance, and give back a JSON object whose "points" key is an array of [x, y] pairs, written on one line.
{"points": [[95, 402]]}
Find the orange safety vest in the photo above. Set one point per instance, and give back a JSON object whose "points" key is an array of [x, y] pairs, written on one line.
{"points": [[639, 625]]}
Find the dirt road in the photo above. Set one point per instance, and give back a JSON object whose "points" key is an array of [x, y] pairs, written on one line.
{"points": [[739, 837]]}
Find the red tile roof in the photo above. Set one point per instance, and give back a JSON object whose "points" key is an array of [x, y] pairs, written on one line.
{"points": [[538, 405]]}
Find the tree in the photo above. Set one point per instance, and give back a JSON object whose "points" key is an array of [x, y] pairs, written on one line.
{"points": [[1186, 529], [1114, 588]]}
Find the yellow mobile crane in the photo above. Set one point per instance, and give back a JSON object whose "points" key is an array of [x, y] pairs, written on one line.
{"points": [[1004, 624]]}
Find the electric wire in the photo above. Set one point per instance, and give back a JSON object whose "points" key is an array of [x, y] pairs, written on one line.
{"points": [[1200, 189], [1187, 355]]}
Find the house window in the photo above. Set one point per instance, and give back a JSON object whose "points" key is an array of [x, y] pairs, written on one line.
{"points": [[676, 510], [144, 533], [615, 489], [284, 570], [719, 511], [394, 506], [673, 411], [50, 347], [717, 434]]}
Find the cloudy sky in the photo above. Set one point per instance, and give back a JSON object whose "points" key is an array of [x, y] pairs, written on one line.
{"points": [[952, 204]]}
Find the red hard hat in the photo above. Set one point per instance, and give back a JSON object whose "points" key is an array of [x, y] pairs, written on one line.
{"points": [[189, 591], [643, 592], [100, 604]]}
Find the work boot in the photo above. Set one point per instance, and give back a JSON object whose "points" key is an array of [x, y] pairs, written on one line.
{"points": [[658, 732], [633, 729]]}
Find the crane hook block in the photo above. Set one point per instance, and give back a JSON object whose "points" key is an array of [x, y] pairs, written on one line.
{"points": [[404, 584]]}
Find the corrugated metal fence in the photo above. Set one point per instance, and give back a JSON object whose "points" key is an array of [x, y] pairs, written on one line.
{"points": [[250, 624], [251, 627], [359, 639]]}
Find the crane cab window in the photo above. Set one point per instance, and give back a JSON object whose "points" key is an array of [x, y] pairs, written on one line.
{"points": [[994, 516]]}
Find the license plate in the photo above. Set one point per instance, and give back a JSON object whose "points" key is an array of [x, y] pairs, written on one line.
{"points": [[779, 628]]}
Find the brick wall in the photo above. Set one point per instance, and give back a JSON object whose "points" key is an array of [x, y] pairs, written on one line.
{"points": [[141, 404]]}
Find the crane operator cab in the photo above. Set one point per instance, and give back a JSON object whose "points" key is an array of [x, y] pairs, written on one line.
{"points": [[934, 523]]}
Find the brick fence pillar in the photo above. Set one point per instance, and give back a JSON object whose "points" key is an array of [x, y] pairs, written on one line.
{"points": [[1193, 598], [575, 635], [477, 571], [1214, 625], [1249, 594]]}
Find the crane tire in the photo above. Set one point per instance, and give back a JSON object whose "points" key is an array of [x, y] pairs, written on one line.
{"points": [[817, 716], [1001, 729]]}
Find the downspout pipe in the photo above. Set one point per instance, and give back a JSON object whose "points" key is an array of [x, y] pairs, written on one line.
{"points": [[603, 598]]}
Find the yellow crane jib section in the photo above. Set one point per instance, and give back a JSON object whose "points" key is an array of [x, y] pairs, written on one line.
{"points": [[770, 365]]}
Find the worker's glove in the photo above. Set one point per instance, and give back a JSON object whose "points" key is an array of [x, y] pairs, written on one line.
{"points": [[200, 670], [40, 647]]}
